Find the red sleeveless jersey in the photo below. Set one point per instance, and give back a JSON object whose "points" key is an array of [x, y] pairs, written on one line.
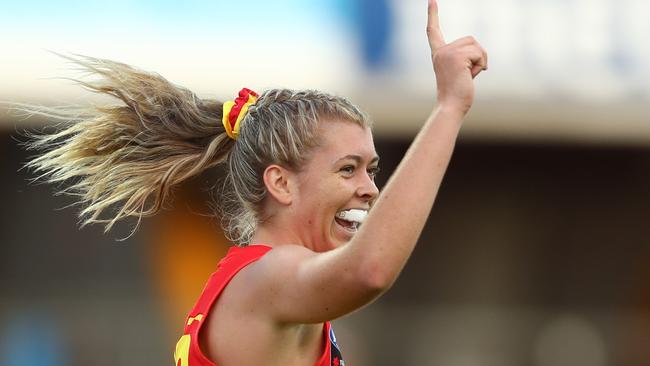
{"points": [[188, 352]]}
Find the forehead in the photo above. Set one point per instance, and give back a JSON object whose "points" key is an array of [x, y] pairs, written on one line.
{"points": [[344, 137]]}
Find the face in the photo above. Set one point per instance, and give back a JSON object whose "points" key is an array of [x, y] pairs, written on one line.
{"points": [[339, 175]]}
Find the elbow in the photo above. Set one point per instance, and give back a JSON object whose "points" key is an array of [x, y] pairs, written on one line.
{"points": [[376, 278]]}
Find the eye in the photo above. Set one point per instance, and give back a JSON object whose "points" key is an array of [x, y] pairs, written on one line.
{"points": [[348, 169], [372, 172]]}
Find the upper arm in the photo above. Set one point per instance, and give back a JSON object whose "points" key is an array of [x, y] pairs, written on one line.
{"points": [[292, 284]]}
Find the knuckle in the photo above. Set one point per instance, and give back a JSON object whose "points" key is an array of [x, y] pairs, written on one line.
{"points": [[470, 39]]}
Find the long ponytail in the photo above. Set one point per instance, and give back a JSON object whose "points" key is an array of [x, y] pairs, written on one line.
{"points": [[123, 160]]}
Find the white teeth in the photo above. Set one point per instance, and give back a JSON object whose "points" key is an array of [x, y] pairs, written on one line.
{"points": [[353, 215]]}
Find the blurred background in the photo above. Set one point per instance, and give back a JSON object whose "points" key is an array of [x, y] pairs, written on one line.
{"points": [[536, 253]]}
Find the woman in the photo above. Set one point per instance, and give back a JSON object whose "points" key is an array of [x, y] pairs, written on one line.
{"points": [[315, 239]]}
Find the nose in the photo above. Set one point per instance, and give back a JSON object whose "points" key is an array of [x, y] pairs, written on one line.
{"points": [[368, 190]]}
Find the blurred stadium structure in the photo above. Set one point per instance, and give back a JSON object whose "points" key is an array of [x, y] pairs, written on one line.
{"points": [[537, 252], [558, 69]]}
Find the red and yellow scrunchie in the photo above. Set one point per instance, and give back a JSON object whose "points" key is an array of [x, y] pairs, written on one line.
{"points": [[234, 111]]}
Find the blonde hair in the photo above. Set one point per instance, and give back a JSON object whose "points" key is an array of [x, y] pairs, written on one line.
{"points": [[126, 158]]}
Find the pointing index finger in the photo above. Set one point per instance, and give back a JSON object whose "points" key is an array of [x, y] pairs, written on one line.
{"points": [[434, 33]]}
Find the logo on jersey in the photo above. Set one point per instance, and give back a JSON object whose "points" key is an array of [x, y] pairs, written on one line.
{"points": [[336, 357]]}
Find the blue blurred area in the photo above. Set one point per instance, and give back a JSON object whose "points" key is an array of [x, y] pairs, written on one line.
{"points": [[31, 339], [372, 23], [374, 27]]}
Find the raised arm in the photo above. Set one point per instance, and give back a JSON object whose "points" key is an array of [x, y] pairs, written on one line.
{"points": [[392, 228], [306, 287]]}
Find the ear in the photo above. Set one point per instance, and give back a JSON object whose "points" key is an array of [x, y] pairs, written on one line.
{"points": [[278, 183]]}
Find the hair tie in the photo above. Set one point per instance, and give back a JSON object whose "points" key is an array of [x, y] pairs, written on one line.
{"points": [[235, 111]]}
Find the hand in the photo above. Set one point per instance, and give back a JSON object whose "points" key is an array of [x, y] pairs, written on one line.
{"points": [[456, 65]]}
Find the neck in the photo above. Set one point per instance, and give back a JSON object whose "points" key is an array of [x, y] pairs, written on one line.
{"points": [[272, 232]]}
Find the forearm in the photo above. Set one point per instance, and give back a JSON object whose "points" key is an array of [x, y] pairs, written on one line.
{"points": [[389, 234]]}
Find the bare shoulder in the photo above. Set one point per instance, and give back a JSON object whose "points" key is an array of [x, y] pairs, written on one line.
{"points": [[272, 269], [284, 256], [260, 278], [243, 312], [282, 282]]}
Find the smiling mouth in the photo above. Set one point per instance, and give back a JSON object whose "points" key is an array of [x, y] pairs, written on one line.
{"points": [[348, 225], [351, 219]]}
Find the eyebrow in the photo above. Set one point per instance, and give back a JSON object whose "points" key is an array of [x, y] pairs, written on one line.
{"points": [[357, 158]]}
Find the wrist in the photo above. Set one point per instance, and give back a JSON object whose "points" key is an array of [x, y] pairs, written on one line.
{"points": [[452, 111]]}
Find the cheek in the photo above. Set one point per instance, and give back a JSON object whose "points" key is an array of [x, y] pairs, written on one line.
{"points": [[327, 188], [339, 192], [324, 197]]}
